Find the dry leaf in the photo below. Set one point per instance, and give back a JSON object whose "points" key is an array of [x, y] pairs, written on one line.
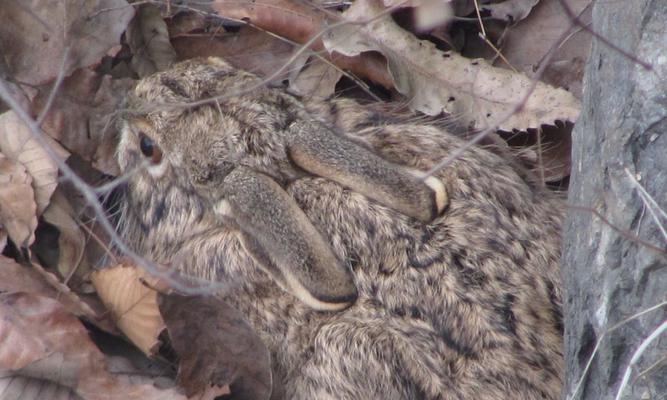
{"points": [[40, 339], [71, 241], [14, 386], [187, 23], [433, 81], [148, 38], [527, 43], [303, 23], [132, 304], [21, 94], [64, 294], [17, 278], [35, 34], [18, 210], [216, 346], [81, 116], [510, 10], [317, 80], [17, 144], [432, 13], [248, 49], [3, 239]]}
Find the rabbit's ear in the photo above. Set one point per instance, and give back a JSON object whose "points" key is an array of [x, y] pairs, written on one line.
{"points": [[334, 157], [280, 238]]}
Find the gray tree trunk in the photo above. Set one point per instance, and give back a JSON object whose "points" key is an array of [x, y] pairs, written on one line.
{"points": [[609, 275]]}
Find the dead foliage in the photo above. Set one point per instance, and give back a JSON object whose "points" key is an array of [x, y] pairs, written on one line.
{"points": [[512, 66]]}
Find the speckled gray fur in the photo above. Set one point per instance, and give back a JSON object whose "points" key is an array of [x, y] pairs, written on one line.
{"points": [[467, 306]]}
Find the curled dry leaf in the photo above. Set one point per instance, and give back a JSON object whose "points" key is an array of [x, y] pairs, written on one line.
{"points": [[248, 49], [17, 144], [187, 23], [317, 80], [510, 10], [471, 90], [40, 339], [17, 278], [132, 304], [13, 386], [71, 241], [36, 33], [217, 347], [303, 23], [148, 38], [18, 210], [81, 117], [477, 93]]}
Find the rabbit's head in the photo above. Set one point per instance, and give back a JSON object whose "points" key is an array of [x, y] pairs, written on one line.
{"points": [[218, 145]]}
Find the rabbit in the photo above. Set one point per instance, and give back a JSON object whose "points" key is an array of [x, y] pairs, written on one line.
{"points": [[364, 280]]}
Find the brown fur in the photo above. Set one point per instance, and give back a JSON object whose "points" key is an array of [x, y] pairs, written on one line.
{"points": [[467, 306]]}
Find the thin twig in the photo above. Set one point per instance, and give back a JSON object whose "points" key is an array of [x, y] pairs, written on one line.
{"points": [[305, 47], [637, 354], [322, 58], [540, 161], [599, 342], [110, 9], [650, 203], [119, 180], [99, 241], [497, 51], [622, 232], [56, 86], [650, 368], [479, 18]]}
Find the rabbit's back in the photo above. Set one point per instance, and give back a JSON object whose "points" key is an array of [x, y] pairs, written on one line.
{"points": [[467, 307]]}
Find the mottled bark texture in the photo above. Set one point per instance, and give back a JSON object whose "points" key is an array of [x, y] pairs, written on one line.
{"points": [[609, 276]]}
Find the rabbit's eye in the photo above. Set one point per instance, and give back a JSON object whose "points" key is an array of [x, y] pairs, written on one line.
{"points": [[149, 148]]}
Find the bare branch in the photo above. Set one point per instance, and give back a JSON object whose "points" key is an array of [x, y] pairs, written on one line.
{"points": [[599, 342], [637, 354]]}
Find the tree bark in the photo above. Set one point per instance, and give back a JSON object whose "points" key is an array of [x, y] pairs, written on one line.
{"points": [[612, 273]]}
